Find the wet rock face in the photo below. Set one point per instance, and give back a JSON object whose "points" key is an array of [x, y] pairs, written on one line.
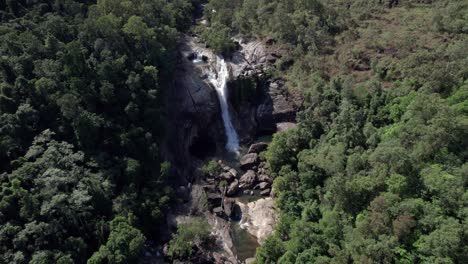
{"points": [[202, 146]]}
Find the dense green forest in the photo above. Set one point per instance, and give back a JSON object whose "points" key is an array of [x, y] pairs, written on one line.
{"points": [[376, 171], [81, 123]]}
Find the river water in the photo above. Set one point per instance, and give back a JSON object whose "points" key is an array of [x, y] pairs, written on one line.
{"points": [[219, 77], [244, 243]]}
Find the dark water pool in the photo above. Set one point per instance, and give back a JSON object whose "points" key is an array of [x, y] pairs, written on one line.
{"points": [[245, 244]]}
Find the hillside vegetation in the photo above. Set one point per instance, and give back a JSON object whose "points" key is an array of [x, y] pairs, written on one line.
{"points": [[81, 123], [376, 171]]}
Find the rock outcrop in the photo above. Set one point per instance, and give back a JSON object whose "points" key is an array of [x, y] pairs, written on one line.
{"points": [[248, 180], [249, 161], [193, 105], [272, 102], [233, 188], [259, 218], [258, 147]]}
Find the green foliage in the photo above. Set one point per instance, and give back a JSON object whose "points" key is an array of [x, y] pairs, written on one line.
{"points": [[81, 122], [194, 233], [124, 245], [218, 37], [271, 251], [374, 171], [211, 168]]}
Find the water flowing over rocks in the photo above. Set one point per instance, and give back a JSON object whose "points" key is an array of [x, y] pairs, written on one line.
{"points": [[219, 78], [204, 126]]}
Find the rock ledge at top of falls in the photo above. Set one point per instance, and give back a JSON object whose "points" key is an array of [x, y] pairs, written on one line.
{"points": [[274, 104], [259, 218]]}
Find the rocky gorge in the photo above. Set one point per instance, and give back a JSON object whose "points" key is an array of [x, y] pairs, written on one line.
{"points": [[238, 198]]}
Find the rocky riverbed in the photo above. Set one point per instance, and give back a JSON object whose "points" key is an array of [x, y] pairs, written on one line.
{"points": [[236, 201]]}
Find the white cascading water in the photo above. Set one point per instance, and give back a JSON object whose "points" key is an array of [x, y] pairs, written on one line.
{"points": [[219, 81]]}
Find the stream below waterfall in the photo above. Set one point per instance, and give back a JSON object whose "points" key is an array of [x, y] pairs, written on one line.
{"points": [[244, 243]]}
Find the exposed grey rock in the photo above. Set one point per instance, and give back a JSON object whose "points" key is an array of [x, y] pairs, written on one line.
{"points": [[233, 172], [233, 188], [247, 180], [265, 178], [191, 56], [228, 206], [272, 57], [214, 198], [277, 107], [262, 186], [250, 261], [265, 192], [285, 126], [227, 176], [258, 147], [218, 211], [248, 161], [166, 249], [259, 217], [218, 258]]}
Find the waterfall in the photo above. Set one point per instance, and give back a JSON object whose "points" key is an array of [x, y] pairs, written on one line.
{"points": [[219, 80]]}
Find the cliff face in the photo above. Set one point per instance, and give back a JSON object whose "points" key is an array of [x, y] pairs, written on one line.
{"points": [[257, 103], [195, 127], [264, 101]]}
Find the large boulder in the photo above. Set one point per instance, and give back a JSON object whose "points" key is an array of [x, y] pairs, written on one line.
{"points": [[228, 206], [285, 126], [228, 176], [262, 186], [218, 211], [233, 172], [249, 161], [214, 200], [258, 147], [248, 180], [265, 178], [265, 192], [233, 188]]}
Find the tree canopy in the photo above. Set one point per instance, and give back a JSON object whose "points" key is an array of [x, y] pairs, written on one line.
{"points": [[81, 123], [375, 172]]}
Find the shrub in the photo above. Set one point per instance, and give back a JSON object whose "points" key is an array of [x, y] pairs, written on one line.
{"points": [[189, 235]]}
